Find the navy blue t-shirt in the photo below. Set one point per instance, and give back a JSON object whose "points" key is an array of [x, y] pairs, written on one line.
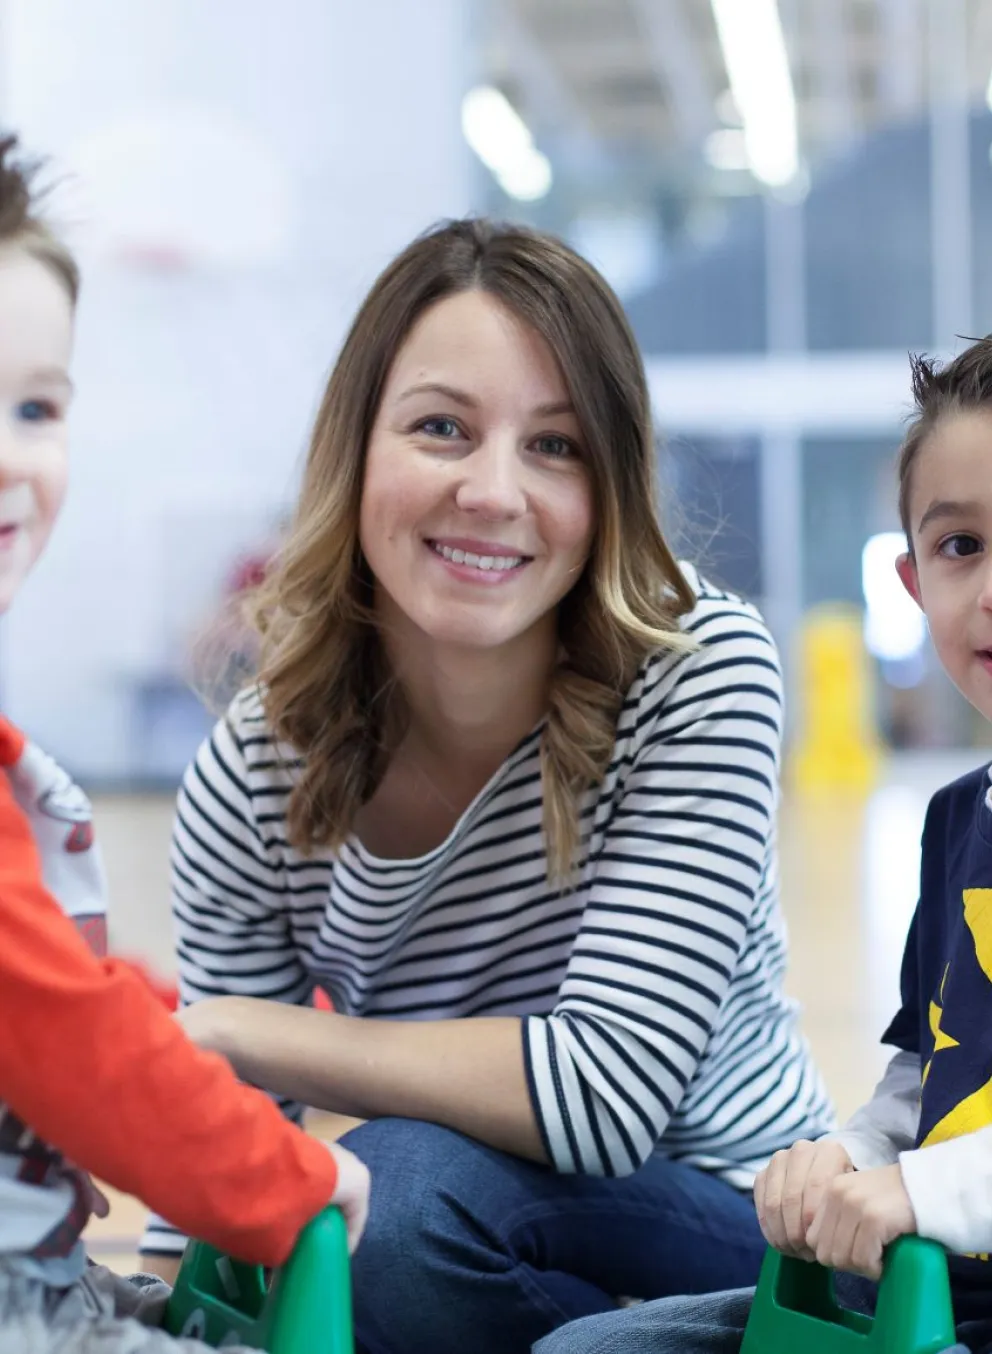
{"points": [[946, 985]]}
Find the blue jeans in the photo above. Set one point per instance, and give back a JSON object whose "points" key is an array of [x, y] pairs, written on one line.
{"points": [[469, 1249], [712, 1324]]}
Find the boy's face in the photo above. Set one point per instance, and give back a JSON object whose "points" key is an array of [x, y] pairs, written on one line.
{"points": [[950, 575], [36, 323]]}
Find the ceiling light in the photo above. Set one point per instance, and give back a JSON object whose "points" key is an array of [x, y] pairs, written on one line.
{"points": [[757, 63], [726, 149], [503, 142]]}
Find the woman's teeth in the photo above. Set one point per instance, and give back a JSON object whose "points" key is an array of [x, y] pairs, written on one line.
{"points": [[497, 562]]}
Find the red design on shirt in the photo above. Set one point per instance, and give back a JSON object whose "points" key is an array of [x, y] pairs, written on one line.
{"points": [[94, 932], [80, 838]]}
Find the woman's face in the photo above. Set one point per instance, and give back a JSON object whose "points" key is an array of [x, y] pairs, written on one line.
{"points": [[476, 515]]}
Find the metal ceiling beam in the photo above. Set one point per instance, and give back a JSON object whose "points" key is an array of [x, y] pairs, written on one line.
{"points": [[900, 47], [832, 71], [679, 64], [981, 47], [549, 102]]}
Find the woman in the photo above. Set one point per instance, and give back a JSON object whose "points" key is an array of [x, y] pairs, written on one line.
{"points": [[506, 790]]}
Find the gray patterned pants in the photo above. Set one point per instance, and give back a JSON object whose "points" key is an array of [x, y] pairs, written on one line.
{"points": [[103, 1313]]}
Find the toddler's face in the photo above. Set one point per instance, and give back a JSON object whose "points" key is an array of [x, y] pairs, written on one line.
{"points": [[36, 324], [950, 575]]}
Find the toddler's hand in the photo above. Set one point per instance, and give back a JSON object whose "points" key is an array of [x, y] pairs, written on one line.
{"points": [[859, 1216], [788, 1192], [351, 1194]]}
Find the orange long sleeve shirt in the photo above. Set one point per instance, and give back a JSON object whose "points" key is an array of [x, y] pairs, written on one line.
{"points": [[100, 1074]]}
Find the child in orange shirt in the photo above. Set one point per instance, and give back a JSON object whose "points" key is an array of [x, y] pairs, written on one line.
{"points": [[94, 1074]]}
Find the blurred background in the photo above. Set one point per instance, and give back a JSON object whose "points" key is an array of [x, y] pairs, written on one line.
{"points": [[788, 195]]}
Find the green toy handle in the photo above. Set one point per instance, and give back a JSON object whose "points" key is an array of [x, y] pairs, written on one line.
{"points": [[306, 1309], [319, 1265], [795, 1307]]}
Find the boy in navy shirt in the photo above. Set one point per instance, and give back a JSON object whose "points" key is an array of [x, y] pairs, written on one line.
{"points": [[918, 1157]]}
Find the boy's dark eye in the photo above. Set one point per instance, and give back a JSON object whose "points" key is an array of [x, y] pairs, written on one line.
{"points": [[959, 546]]}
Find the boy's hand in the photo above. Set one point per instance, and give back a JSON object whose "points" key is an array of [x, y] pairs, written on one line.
{"points": [[788, 1192], [859, 1216], [98, 1202], [351, 1194]]}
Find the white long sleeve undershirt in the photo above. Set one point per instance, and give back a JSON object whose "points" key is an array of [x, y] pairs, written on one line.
{"points": [[949, 1184]]}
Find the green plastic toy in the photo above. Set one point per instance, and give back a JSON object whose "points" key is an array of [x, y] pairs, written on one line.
{"points": [[305, 1309], [795, 1312]]}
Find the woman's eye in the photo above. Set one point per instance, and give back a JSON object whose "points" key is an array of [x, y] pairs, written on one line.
{"points": [[959, 546], [554, 446], [445, 428]]}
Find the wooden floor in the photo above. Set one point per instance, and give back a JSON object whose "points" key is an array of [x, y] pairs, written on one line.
{"points": [[849, 881]]}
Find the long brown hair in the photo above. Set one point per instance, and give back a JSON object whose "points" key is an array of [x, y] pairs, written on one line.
{"points": [[323, 676]]}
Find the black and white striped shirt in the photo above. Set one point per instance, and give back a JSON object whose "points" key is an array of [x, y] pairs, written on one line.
{"points": [[650, 996]]}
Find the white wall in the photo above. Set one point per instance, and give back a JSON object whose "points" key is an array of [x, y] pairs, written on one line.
{"points": [[288, 151]]}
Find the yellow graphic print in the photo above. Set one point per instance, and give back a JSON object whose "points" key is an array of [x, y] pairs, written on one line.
{"points": [[941, 1039], [978, 916], [974, 1111]]}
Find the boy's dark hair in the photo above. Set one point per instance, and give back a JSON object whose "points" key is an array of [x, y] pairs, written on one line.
{"points": [[21, 224], [939, 389]]}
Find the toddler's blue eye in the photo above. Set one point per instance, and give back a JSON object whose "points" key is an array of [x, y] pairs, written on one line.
{"points": [[35, 411]]}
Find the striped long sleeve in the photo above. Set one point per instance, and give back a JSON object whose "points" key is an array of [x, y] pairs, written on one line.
{"points": [[674, 887]]}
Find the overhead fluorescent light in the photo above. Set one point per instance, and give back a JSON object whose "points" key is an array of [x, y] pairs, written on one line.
{"points": [[726, 149], [529, 178], [503, 142], [727, 110], [757, 62]]}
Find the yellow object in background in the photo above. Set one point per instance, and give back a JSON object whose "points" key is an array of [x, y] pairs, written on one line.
{"points": [[838, 748]]}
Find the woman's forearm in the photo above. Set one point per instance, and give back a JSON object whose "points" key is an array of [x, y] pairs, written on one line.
{"points": [[466, 1074]]}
